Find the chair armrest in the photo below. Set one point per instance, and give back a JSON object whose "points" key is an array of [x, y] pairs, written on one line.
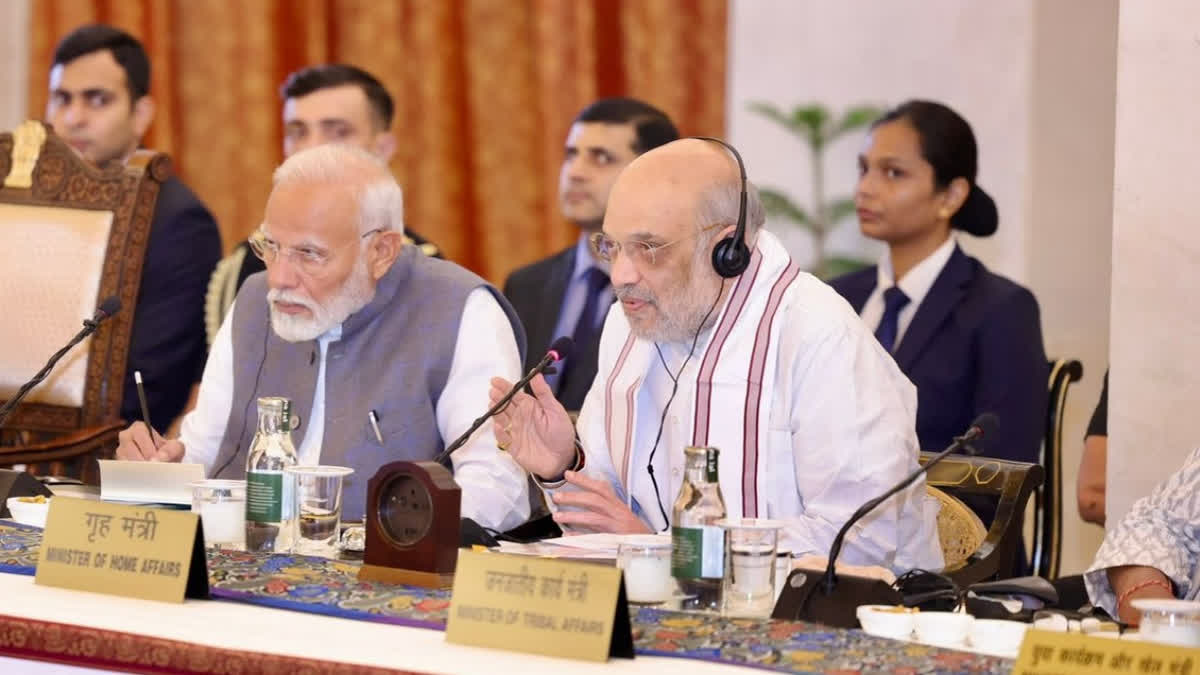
{"points": [[64, 447]]}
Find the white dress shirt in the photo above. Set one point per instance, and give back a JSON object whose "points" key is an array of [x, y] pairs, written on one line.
{"points": [[494, 487], [575, 298], [915, 284]]}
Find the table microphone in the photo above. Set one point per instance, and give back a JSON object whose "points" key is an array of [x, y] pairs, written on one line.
{"points": [[558, 351], [831, 600], [111, 305]]}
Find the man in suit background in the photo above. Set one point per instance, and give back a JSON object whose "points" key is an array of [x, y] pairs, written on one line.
{"points": [[325, 103], [569, 293], [100, 104]]}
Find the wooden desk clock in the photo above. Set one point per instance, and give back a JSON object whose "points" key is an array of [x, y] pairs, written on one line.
{"points": [[412, 528]]}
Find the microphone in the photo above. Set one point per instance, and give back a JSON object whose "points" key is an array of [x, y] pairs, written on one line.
{"points": [[818, 602], [109, 306], [558, 351]]}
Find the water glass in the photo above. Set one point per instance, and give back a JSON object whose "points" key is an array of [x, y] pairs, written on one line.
{"points": [[749, 584], [221, 505], [318, 508], [646, 563]]}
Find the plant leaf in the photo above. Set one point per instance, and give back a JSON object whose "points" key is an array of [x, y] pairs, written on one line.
{"points": [[813, 118], [856, 117], [779, 204], [836, 266], [773, 113], [839, 209]]}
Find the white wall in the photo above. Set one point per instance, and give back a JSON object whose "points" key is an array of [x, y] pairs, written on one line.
{"points": [[974, 56], [1155, 378], [1035, 79], [14, 62]]}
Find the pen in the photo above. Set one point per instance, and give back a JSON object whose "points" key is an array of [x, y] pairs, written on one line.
{"points": [[375, 426], [137, 379]]}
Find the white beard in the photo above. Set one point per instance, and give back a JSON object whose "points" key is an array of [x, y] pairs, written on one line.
{"points": [[354, 294]]}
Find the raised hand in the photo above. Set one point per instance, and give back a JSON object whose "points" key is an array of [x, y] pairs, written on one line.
{"points": [[535, 430]]}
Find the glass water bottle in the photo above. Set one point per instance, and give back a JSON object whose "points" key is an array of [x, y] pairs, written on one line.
{"points": [[698, 545], [270, 493]]}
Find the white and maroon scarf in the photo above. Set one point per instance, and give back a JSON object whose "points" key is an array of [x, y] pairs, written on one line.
{"points": [[734, 384]]}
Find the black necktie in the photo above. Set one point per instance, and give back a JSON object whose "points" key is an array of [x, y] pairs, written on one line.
{"points": [[588, 326], [894, 300]]}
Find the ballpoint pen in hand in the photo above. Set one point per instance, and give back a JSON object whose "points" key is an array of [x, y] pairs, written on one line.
{"points": [[137, 379]]}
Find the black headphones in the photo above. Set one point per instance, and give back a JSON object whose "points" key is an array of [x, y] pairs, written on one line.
{"points": [[731, 256]]}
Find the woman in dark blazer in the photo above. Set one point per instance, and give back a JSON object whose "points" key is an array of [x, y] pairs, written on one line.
{"points": [[970, 340]]}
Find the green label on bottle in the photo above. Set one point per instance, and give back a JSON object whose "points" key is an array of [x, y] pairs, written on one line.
{"points": [[697, 552], [710, 464], [264, 496]]}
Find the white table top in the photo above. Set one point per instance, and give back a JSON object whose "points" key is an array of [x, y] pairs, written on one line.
{"points": [[245, 627]]}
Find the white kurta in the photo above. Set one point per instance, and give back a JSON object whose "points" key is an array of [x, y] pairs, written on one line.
{"points": [[812, 418]]}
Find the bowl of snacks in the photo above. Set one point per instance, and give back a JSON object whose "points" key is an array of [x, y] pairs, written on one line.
{"points": [[890, 621], [29, 510]]}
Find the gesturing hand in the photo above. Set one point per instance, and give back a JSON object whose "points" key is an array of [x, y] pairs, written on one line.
{"points": [[601, 510], [535, 430]]}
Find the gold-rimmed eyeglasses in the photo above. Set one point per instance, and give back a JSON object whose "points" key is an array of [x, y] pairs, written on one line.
{"points": [[641, 253], [310, 259]]}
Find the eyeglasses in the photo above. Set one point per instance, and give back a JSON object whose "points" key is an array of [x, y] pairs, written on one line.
{"points": [[641, 253], [309, 259]]}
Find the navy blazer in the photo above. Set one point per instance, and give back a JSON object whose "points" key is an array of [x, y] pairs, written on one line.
{"points": [[536, 292], [973, 346], [168, 343]]}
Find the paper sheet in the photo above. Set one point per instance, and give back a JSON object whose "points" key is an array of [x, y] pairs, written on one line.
{"points": [[148, 482]]}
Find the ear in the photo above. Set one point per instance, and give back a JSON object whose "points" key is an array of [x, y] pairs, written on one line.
{"points": [[382, 252], [384, 146], [143, 115], [955, 194]]}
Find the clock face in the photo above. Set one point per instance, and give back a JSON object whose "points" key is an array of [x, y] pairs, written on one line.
{"points": [[405, 509]]}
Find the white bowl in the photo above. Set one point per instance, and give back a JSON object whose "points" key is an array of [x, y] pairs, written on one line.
{"points": [[947, 629], [885, 621], [998, 636], [28, 513]]}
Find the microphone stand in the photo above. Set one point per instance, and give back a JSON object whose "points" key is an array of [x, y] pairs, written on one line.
{"points": [[89, 327], [829, 579], [810, 597], [542, 366]]}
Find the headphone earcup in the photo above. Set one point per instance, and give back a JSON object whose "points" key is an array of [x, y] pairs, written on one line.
{"points": [[730, 257]]}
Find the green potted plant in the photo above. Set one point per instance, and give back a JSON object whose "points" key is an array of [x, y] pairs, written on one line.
{"points": [[814, 124]]}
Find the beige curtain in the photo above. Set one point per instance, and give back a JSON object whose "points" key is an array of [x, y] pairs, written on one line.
{"points": [[485, 91]]}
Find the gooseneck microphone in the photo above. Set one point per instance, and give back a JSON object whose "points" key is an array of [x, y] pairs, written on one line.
{"points": [[111, 305], [832, 601], [984, 426], [558, 351]]}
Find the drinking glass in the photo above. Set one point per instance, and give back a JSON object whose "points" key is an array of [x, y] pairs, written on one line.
{"points": [[318, 508], [749, 584], [222, 508], [646, 562]]}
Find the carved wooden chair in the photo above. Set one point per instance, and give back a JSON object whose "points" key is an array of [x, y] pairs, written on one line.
{"points": [[1011, 484], [70, 235]]}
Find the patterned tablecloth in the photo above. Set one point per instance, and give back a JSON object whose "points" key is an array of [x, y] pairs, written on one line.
{"points": [[331, 587]]}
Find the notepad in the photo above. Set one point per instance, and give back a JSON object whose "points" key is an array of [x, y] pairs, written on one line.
{"points": [[148, 482]]}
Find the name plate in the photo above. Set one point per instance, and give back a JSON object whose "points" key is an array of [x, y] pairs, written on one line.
{"points": [[135, 551], [1051, 653], [541, 606]]}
